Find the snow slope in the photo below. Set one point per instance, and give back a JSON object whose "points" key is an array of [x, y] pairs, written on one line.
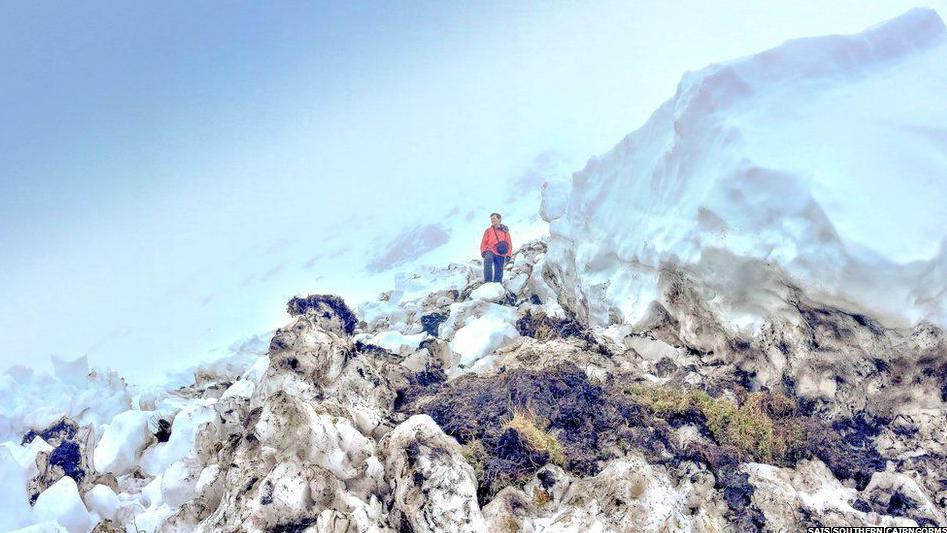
{"points": [[822, 162]]}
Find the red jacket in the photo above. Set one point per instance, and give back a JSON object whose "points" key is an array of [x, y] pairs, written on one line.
{"points": [[491, 238]]}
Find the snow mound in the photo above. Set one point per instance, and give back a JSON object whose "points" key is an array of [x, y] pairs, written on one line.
{"points": [[31, 400], [122, 439], [822, 160]]}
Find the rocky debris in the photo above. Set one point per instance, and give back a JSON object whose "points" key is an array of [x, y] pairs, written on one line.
{"points": [[617, 453]]}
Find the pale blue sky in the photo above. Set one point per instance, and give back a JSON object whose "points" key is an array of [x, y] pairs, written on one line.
{"points": [[168, 168]]}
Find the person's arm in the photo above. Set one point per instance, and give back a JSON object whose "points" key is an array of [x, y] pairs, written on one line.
{"points": [[484, 242], [509, 241]]}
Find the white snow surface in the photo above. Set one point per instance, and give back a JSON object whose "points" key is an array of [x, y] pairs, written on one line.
{"points": [[394, 341], [30, 399], [825, 157], [61, 503], [15, 508], [102, 500], [479, 337], [184, 430], [122, 439]]}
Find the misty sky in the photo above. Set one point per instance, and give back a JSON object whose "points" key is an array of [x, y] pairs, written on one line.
{"points": [[169, 171]]}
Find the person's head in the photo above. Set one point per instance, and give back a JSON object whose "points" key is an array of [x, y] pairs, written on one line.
{"points": [[495, 219]]}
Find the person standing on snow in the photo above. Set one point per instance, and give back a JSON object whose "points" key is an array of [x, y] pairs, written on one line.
{"points": [[496, 248]]}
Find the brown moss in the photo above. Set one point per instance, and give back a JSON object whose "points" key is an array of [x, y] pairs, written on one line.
{"points": [[512, 524], [541, 497], [544, 331]]}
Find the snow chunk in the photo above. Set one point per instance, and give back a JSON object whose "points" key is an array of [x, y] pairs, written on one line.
{"points": [[183, 434], [102, 500], [16, 510], [25, 455], [244, 387], [70, 372], [122, 439], [481, 336], [555, 199], [517, 282], [178, 484], [296, 427], [492, 292], [395, 341], [61, 502], [434, 489]]}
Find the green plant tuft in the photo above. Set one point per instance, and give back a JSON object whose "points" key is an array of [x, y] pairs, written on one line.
{"points": [[761, 428], [525, 423]]}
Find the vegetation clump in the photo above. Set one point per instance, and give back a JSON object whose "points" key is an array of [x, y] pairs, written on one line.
{"points": [[513, 422], [475, 455], [324, 303], [525, 422], [764, 427], [523, 419]]}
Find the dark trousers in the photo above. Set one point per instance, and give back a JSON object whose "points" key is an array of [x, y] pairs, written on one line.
{"points": [[493, 266]]}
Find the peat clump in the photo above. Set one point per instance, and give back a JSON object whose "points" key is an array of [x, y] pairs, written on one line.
{"points": [[373, 349], [518, 420], [420, 385], [771, 428], [431, 322], [164, 430], [323, 303], [847, 448], [61, 431], [543, 327], [514, 422]]}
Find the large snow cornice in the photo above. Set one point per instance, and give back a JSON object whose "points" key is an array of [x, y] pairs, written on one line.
{"points": [[825, 157]]}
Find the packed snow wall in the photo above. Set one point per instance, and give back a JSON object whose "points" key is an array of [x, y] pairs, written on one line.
{"points": [[819, 164]]}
